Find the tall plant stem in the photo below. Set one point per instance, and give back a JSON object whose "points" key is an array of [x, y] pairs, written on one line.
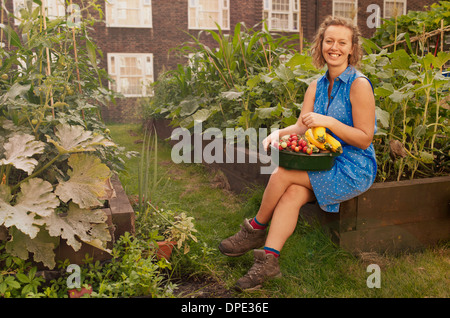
{"points": [[76, 62], [243, 55], [436, 118], [37, 172], [217, 68], [265, 55], [47, 52]]}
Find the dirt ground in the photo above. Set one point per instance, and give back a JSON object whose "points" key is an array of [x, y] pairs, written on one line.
{"points": [[202, 287]]}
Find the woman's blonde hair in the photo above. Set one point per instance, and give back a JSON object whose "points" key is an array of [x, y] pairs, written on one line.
{"points": [[316, 49]]}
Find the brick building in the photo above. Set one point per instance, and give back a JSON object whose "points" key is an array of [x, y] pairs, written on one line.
{"points": [[136, 36]]}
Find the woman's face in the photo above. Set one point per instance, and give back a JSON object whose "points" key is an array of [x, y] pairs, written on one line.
{"points": [[337, 45]]}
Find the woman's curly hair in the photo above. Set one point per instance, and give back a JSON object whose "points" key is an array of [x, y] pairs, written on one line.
{"points": [[316, 48]]}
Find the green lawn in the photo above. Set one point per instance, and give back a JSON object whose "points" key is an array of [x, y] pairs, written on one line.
{"points": [[312, 265]]}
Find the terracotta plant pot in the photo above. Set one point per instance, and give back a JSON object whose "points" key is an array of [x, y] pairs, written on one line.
{"points": [[165, 249], [79, 292]]}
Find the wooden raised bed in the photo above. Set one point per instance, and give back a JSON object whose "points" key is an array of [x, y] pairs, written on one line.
{"points": [[389, 217]]}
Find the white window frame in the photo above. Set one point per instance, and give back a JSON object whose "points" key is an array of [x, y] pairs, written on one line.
{"points": [[224, 5], [146, 72], [116, 8], [293, 16], [355, 2], [54, 9], [404, 2]]}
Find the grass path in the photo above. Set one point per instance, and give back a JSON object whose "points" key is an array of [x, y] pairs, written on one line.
{"points": [[312, 266]]}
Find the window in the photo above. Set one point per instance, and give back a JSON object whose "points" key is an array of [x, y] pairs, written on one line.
{"points": [[346, 9], [131, 73], [394, 8], [128, 13], [281, 15], [53, 8], [204, 14]]}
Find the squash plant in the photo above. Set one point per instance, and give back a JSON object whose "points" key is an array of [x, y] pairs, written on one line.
{"points": [[55, 153]]}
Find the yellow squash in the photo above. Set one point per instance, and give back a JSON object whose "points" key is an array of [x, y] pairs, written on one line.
{"points": [[335, 144], [321, 145], [319, 133]]}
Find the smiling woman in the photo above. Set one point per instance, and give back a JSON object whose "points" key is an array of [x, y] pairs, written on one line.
{"points": [[342, 101], [356, 51]]}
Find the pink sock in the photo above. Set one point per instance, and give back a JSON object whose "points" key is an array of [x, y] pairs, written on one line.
{"points": [[256, 225]]}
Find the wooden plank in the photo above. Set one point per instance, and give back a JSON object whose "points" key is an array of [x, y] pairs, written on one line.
{"points": [[404, 202], [396, 238], [122, 213], [348, 211]]}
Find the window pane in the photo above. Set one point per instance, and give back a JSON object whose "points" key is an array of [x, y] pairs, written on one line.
{"points": [[280, 5], [392, 9], [132, 13], [280, 21], [345, 9], [207, 13]]}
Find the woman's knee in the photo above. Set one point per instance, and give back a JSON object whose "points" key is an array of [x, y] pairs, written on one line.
{"points": [[297, 193]]}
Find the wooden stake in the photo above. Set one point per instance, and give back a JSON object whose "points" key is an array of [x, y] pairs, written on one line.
{"points": [[47, 51], [76, 60], [300, 28]]}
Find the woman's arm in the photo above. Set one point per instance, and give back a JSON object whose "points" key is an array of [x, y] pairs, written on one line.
{"points": [[363, 112], [299, 127]]}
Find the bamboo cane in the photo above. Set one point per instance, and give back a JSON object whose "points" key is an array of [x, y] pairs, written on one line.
{"points": [[300, 28], [76, 60], [47, 51]]}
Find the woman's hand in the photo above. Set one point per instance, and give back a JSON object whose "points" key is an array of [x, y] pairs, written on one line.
{"points": [[269, 139], [312, 119]]}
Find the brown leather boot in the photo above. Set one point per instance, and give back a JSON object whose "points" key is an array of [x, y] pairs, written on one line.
{"points": [[243, 241], [265, 266]]}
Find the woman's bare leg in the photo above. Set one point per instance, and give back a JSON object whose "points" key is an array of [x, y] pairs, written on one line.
{"points": [[285, 215], [279, 182]]}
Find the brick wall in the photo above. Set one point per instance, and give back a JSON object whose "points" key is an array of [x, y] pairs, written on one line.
{"points": [[325, 8]]}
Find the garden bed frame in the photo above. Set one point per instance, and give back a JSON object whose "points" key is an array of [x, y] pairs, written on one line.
{"points": [[388, 218]]}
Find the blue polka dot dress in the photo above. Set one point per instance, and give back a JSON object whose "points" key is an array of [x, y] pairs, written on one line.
{"points": [[354, 171]]}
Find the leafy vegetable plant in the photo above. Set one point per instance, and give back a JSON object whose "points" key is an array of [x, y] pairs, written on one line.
{"points": [[55, 153]]}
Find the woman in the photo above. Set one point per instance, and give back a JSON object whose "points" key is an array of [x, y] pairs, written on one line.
{"points": [[343, 102]]}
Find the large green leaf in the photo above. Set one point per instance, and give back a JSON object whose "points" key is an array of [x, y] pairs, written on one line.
{"points": [[36, 200], [19, 150], [71, 139], [42, 246], [284, 73], [87, 182], [78, 224], [189, 106]]}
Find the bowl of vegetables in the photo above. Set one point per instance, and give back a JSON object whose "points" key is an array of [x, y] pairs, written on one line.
{"points": [[315, 150]]}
